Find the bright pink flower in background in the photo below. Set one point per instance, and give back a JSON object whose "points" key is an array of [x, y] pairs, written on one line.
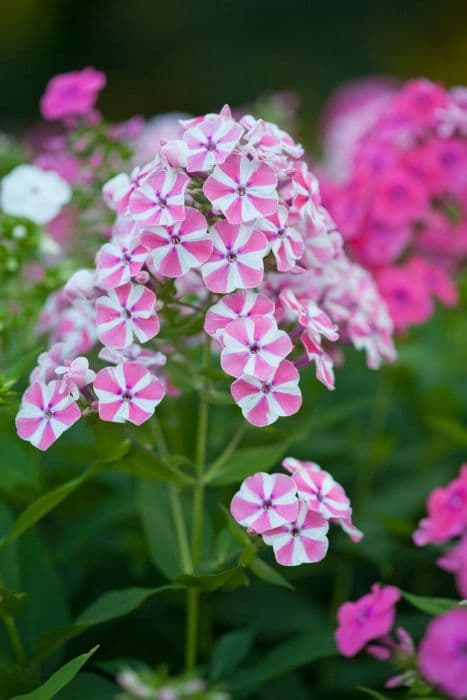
{"points": [[265, 501], [407, 296], [366, 619], [262, 403], [399, 198], [45, 413], [421, 100], [447, 512], [174, 250], [253, 346], [159, 199], [242, 189], [303, 541], [75, 375], [286, 241], [117, 262], [237, 258], [211, 140], [127, 311], [127, 392], [442, 657], [242, 304], [72, 94], [455, 561]]}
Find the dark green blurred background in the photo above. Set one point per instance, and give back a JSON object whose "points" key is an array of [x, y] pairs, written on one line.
{"points": [[194, 56]]}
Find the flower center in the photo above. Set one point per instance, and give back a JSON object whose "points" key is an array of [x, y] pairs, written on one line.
{"points": [[126, 313], [254, 349], [231, 257], [48, 413], [266, 388], [281, 233], [241, 191], [210, 146], [267, 504], [364, 615], [161, 202], [126, 259], [456, 500], [175, 239], [127, 395], [295, 531]]}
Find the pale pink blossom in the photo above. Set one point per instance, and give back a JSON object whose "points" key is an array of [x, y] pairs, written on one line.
{"points": [[127, 392], [159, 199], [262, 403], [75, 375], [242, 189], [82, 284], [45, 413], [253, 346], [242, 304], [237, 258], [303, 541], [135, 353], [173, 250], [127, 311], [265, 501]]}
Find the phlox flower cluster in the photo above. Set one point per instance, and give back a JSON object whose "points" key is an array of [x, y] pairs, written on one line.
{"points": [[440, 658], [224, 224], [159, 686], [447, 519], [292, 513], [400, 200]]}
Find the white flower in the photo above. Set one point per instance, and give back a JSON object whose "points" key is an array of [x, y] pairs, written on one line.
{"points": [[34, 194]]}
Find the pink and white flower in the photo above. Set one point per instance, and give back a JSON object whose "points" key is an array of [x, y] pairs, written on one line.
{"points": [[134, 353], [242, 189], [127, 392], [237, 258], [323, 361], [211, 140], [159, 199], [173, 250], [263, 402], [286, 241], [310, 316], [117, 262], [253, 346], [321, 492], [306, 190], [127, 311], [75, 375], [301, 542], [45, 413], [242, 304], [265, 501]]}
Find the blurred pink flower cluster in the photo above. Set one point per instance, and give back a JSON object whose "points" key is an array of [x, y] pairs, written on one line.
{"points": [[447, 519], [396, 185], [224, 223], [292, 513]]}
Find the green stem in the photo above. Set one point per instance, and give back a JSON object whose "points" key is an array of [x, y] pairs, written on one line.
{"points": [[192, 633], [226, 453], [14, 637]]}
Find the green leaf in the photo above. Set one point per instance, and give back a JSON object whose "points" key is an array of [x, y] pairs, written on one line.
{"points": [[432, 606], [247, 460], [59, 680], [230, 578], [109, 606], [90, 686], [11, 603], [268, 573], [44, 504], [229, 651], [111, 443], [190, 325], [144, 464], [372, 693], [450, 429], [284, 658]]}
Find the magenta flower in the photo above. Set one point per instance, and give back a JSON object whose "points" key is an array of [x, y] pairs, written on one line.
{"points": [[442, 654], [368, 618], [210, 140], [75, 376], [263, 402], [242, 304], [237, 258], [45, 413], [455, 561], [173, 250], [127, 392], [447, 512], [127, 311], [265, 501], [242, 189], [253, 346], [118, 261], [159, 199], [286, 241], [303, 541], [72, 94]]}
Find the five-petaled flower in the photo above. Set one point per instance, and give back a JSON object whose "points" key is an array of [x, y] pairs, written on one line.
{"points": [[242, 189], [159, 199], [303, 541], [265, 501], [241, 304], [127, 311], [211, 140], [118, 261], [127, 392]]}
